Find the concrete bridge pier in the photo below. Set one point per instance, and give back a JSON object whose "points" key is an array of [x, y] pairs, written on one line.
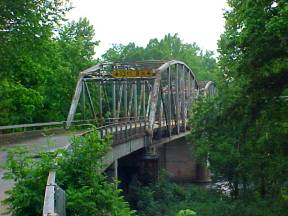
{"points": [[149, 167], [177, 158]]}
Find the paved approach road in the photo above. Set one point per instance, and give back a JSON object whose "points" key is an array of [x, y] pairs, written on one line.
{"points": [[37, 144]]}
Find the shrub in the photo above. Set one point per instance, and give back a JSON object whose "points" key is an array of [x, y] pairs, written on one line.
{"points": [[79, 173]]}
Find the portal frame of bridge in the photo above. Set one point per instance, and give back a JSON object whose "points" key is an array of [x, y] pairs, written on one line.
{"points": [[163, 98]]}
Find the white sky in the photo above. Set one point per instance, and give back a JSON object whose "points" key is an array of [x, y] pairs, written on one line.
{"points": [[124, 21]]}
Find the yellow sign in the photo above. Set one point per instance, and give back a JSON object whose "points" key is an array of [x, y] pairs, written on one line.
{"points": [[132, 73]]}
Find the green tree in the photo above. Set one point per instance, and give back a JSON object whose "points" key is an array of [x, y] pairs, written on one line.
{"points": [[41, 57], [73, 52], [30, 177], [26, 30], [243, 130]]}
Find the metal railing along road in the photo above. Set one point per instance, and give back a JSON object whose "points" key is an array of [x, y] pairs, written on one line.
{"points": [[60, 124], [14, 133]]}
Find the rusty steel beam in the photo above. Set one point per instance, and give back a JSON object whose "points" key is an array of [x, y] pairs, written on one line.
{"points": [[101, 100], [153, 99], [144, 99], [177, 99], [125, 99], [169, 104], [130, 102]]}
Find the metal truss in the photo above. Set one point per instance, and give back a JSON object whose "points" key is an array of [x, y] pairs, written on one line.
{"points": [[162, 98]]}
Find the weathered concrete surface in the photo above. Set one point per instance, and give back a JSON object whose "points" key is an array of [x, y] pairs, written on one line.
{"points": [[36, 144], [176, 158]]}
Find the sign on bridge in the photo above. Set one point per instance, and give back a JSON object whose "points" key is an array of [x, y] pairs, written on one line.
{"points": [[132, 73]]}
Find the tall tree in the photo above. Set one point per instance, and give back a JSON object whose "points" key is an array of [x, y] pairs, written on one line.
{"points": [[26, 29], [41, 56], [73, 52], [244, 129]]}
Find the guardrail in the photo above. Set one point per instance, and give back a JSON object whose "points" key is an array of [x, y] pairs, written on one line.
{"points": [[97, 122], [7, 129], [13, 133]]}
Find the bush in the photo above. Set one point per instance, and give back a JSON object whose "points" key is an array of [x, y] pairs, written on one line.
{"points": [[30, 175], [79, 173], [186, 212], [169, 199]]}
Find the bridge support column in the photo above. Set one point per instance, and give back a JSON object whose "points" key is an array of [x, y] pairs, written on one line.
{"points": [[149, 165], [176, 157]]}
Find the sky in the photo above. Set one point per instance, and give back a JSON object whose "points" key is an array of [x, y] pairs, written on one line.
{"points": [[124, 21]]}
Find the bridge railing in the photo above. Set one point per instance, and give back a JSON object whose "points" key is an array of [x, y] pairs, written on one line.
{"points": [[42, 125], [122, 130], [62, 124], [14, 133]]}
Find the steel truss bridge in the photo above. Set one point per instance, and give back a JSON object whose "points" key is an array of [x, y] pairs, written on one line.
{"points": [[157, 93], [141, 104]]}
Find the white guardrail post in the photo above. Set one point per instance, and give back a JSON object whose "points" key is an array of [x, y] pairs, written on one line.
{"points": [[49, 199], [54, 200]]}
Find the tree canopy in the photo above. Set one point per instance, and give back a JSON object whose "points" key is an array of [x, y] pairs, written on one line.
{"points": [[243, 130], [41, 55]]}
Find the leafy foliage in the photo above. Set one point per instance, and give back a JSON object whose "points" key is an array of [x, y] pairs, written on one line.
{"points": [[169, 199], [26, 197], [88, 190], [40, 59], [79, 173], [186, 212], [243, 130]]}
